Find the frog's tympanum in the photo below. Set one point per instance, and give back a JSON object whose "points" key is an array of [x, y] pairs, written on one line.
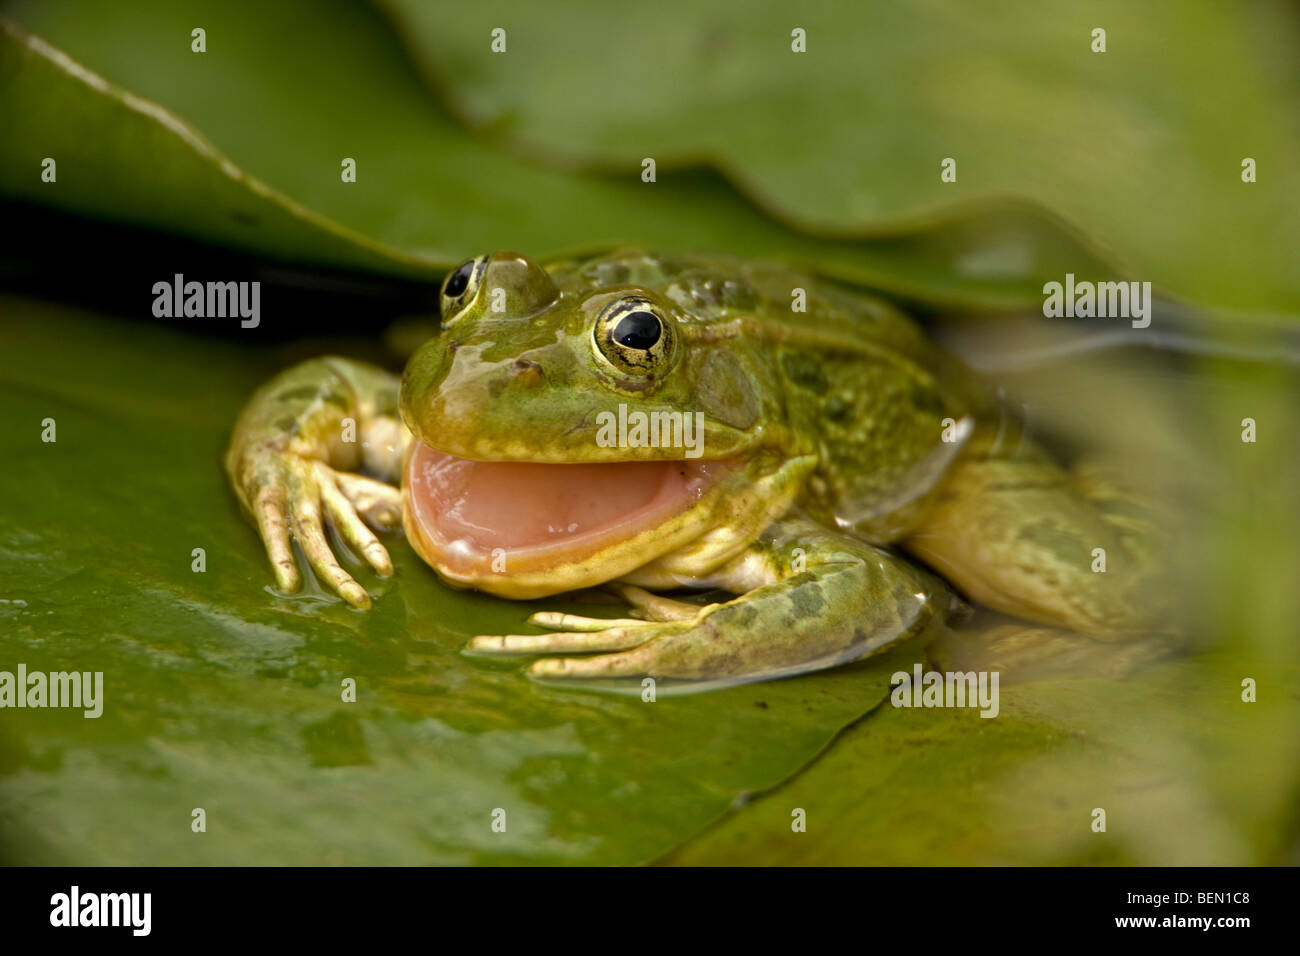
{"points": [[653, 423]]}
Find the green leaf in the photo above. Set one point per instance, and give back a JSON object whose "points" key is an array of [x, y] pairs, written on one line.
{"points": [[243, 145], [1187, 774], [221, 695], [1140, 146]]}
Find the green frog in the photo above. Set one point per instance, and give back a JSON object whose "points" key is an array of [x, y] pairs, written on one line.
{"points": [[652, 423]]}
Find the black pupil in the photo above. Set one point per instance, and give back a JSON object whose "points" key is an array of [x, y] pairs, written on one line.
{"points": [[637, 330], [459, 280]]}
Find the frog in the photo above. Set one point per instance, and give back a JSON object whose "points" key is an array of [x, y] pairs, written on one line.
{"points": [[661, 426]]}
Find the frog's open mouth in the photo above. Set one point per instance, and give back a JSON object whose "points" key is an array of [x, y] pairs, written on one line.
{"points": [[477, 520]]}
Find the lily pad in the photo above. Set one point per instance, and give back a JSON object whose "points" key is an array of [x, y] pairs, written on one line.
{"points": [[243, 145], [222, 695], [1141, 146], [1187, 774]]}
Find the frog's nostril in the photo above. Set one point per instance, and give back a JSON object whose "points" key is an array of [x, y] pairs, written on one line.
{"points": [[528, 373]]}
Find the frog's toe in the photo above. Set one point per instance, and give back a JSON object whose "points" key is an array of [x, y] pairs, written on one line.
{"points": [[558, 621], [629, 663], [309, 531], [351, 528], [322, 561], [564, 642], [656, 607], [378, 503], [273, 526]]}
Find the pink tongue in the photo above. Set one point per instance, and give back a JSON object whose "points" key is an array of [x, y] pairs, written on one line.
{"points": [[480, 506]]}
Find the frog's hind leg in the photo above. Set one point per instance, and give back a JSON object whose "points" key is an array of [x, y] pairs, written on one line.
{"points": [[1023, 536]]}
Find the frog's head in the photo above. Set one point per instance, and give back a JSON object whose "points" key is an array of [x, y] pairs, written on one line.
{"points": [[567, 434]]}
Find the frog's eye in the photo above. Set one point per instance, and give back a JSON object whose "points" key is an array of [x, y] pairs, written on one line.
{"points": [[635, 336], [461, 286]]}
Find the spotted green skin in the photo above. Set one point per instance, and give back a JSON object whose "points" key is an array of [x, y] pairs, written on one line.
{"points": [[857, 448]]}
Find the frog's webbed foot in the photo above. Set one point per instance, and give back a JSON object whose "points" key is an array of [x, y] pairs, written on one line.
{"points": [[295, 496], [827, 601]]}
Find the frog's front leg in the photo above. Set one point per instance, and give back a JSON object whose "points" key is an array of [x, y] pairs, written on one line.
{"points": [[292, 460], [811, 599]]}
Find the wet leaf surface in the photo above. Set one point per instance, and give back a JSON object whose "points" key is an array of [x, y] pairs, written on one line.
{"points": [[1186, 773]]}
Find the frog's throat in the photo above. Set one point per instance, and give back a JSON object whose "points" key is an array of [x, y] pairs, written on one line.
{"points": [[524, 529]]}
